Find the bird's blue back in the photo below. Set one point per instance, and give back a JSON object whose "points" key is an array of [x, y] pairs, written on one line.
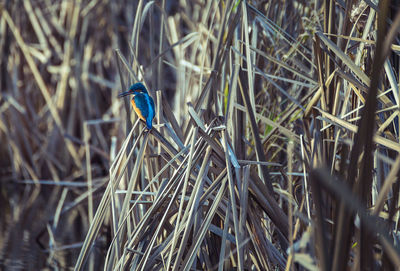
{"points": [[146, 106]]}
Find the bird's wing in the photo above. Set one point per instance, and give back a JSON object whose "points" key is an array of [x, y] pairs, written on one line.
{"points": [[141, 105]]}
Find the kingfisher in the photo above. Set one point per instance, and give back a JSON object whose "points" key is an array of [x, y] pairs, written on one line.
{"points": [[141, 102]]}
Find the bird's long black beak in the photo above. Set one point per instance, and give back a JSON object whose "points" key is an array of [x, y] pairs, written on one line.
{"points": [[123, 94]]}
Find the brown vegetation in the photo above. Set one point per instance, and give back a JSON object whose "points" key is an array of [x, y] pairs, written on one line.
{"points": [[275, 143]]}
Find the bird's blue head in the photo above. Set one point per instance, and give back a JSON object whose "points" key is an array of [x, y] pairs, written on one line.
{"points": [[134, 89]]}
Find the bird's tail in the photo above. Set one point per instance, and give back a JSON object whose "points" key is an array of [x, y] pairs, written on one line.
{"points": [[149, 123]]}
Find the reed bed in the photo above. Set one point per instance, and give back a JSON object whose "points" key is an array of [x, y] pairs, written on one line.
{"points": [[275, 143]]}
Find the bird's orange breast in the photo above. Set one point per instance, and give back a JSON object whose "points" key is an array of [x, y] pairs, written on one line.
{"points": [[137, 110]]}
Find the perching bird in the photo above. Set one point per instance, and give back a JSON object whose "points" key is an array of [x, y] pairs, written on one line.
{"points": [[142, 103]]}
